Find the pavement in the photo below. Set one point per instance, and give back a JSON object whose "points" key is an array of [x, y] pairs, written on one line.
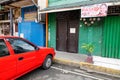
{"points": [[78, 60]]}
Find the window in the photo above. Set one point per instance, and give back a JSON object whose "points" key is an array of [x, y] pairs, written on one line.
{"points": [[20, 46], [3, 49]]}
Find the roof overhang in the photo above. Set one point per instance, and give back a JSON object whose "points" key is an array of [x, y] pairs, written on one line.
{"points": [[15, 4], [76, 6], [59, 10]]}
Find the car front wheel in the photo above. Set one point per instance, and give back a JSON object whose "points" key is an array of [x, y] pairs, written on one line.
{"points": [[47, 63]]}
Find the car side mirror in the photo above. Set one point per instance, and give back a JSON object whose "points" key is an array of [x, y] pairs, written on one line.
{"points": [[37, 48]]}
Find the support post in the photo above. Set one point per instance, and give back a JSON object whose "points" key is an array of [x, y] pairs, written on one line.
{"points": [[11, 21], [46, 25]]}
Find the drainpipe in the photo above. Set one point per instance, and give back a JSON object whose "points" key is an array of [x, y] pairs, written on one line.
{"points": [[11, 21], [46, 25]]}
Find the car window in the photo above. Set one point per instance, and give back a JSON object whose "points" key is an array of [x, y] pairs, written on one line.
{"points": [[3, 49], [20, 46]]}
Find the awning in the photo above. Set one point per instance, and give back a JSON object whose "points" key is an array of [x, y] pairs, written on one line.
{"points": [[76, 6]]}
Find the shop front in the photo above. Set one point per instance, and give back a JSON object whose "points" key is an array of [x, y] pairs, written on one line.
{"points": [[69, 29]]}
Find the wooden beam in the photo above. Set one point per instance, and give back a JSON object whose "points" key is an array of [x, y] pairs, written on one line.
{"points": [[3, 11], [13, 6], [4, 21], [22, 3]]}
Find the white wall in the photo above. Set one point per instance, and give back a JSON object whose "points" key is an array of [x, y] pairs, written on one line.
{"points": [[42, 4], [107, 62]]}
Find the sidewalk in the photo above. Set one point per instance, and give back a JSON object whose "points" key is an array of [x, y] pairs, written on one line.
{"points": [[78, 60]]}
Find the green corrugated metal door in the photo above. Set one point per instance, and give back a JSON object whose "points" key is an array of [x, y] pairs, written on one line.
{"points": [[111, 37]]}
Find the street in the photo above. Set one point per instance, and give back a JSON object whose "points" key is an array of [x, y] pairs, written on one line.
{"points": [[62, 72], [80, 33]]}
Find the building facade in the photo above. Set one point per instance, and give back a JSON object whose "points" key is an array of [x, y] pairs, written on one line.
{"points": [[19, 18], [67, 31], [29, 27]]}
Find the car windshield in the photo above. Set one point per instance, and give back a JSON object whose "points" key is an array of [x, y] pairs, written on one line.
{"points": [[20, 45]]}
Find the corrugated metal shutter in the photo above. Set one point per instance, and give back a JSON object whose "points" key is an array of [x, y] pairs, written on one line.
{"points": [[111, 37]]}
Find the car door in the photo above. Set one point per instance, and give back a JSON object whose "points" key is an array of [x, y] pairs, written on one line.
{"points": [[7, 62], [25, 53]]}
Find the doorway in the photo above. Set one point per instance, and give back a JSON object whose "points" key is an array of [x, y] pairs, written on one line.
{"points": [[67, 31]]}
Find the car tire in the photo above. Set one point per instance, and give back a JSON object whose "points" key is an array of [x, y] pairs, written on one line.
{"points": [[47, 63]]}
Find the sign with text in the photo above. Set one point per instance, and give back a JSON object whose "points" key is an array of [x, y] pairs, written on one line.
{"points": [[72, 30], [97, 10]]}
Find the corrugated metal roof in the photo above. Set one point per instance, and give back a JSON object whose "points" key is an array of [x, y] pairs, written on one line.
{"points": [[78, 4]]}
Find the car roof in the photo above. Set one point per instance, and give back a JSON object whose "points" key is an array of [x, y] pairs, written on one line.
{"points": [[2, 37]]}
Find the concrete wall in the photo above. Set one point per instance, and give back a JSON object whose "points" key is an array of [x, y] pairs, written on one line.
{"points": [[107, 62], [42, 4]]}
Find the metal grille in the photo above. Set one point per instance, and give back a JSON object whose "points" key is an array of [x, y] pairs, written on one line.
{"points": [[114, 10]]}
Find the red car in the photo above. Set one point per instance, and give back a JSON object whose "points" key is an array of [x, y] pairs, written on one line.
{"points": [[18, 56]]}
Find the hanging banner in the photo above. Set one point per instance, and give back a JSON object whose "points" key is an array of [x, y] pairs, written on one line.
{"points": [[97, 10]]}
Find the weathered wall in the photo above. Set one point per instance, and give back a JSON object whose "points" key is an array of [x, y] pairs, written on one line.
{"points": [[42, 4], [87, 34], [91, 34]]}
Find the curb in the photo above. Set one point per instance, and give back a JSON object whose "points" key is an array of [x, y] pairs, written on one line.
{"points": [[66, 62], [98, 69], [89, 67]]}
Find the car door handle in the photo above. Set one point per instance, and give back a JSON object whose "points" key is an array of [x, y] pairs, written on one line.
{"points": [[20, 58]]}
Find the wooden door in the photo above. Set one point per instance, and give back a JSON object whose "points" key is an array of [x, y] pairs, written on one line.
{"points": [[67, 31], [73, 25], [61, 32]]}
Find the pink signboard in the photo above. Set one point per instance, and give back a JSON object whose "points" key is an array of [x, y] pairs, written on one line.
{"points": [[97, 10]]}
